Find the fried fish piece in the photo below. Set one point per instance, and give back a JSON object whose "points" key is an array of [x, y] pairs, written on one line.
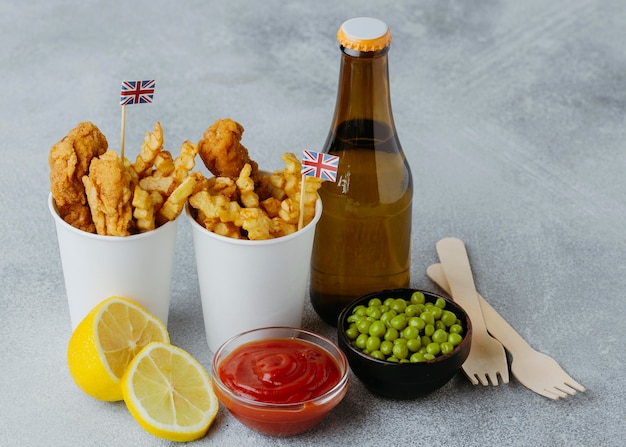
{"points": [[222, 152], [69, 161], [109, 194]]}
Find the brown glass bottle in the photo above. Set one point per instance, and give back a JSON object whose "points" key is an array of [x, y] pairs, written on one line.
{"points": [[363, 239]]}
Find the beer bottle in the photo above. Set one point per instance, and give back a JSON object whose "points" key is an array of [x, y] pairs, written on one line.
{"points": [[363, 239]]}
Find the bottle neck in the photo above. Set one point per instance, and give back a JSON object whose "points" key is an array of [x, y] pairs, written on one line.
{"points": [[363, 92]]}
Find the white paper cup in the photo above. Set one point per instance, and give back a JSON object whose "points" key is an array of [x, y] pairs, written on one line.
{"points": [[247, 284], [137, 267]]}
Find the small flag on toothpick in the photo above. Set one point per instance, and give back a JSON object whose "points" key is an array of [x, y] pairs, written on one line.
{"points": [[316, 164], [137, 92], [134, 92]]}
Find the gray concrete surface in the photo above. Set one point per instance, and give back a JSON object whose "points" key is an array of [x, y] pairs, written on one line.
{"points": [[512, 115]]}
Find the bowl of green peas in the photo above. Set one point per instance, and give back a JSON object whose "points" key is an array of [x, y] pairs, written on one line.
{"points": [[404, 343]]}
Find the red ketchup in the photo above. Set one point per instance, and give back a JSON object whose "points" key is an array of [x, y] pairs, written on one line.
{"points": [[279, 371]]}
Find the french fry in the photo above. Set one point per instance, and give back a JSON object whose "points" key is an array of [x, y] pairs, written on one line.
{"points": [[281, 228], [176, 201], [245, 184], [228, 229], [271, 206], [150, 147], [164, 164], [164, 185], [143, 210], [210, 206], [289, 211], [185, 161], [256, 223]]}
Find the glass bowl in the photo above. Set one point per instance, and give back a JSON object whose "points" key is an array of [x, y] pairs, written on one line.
{"points": [[281, 408]]}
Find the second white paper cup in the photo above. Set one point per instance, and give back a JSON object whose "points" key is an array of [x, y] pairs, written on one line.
{"points": [[247, 284], [95, 267]]}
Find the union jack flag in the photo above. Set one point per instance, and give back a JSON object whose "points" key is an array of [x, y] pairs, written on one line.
{"points": [[137, 92], [316, 164]]}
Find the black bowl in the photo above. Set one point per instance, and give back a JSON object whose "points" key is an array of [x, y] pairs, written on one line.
{"points": [[404, 380]]}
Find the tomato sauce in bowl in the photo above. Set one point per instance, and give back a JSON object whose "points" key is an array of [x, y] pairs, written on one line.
{"points": [[280, 381]]}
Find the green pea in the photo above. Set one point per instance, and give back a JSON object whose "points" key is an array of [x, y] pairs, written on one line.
{"points": [[374, 302], [359, 310], [398, 322], [400, 350], [352, 318], [456, 329], [439, 336], [363, 325], [439, 325], [428, 357], [448, 318], [378, 355], [418, 298], [414, 344], [433, 349], [440, 303], [446, 347], [429, 329], [393, 359], [391, 334], [386, 347], [352, 332], [427, 317], [426, 340], [361, 341], [387, 316], [455, 338], [420, 308], [377, 329], [410, 332], [411, 310], [417, 357], [417, 323], [374, 312], [372, 343], [388, 302], [398, 305], [436, 311]]}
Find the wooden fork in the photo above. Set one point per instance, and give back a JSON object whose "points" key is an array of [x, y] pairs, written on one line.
{"points": [[487, 358], [533, 369]]}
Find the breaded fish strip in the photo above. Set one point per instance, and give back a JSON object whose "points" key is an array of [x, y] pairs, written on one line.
{"points": [[222, 152], [69, 161], [109, 194]]}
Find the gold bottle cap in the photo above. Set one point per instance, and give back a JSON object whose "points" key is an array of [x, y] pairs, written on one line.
{"points": [[364, 34]]}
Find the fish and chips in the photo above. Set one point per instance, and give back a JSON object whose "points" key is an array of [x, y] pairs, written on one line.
{"points": [[96, 191], [240, 201]]}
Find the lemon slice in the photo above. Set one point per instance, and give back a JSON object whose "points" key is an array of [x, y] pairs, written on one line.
{"points": [[104, 343], [169, 393]]}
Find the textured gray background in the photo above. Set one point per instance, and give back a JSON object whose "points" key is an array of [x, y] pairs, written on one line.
{"points": [[511, 113]]}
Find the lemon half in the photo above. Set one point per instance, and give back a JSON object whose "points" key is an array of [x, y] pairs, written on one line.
{"points": [[169, 393], [104, 343]]}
